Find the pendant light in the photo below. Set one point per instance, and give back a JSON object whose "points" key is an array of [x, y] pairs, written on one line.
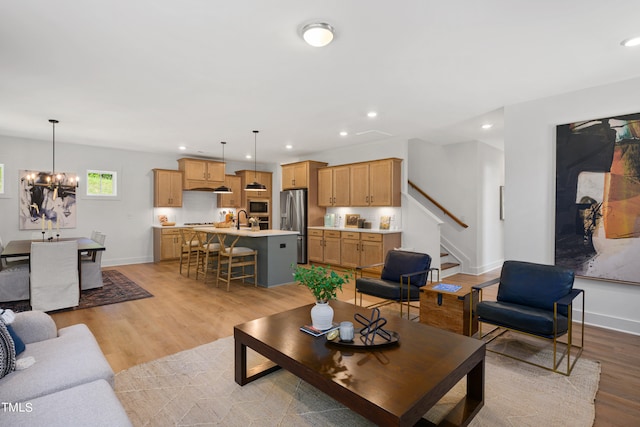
{"points": [[223, 189], [255, 185]]}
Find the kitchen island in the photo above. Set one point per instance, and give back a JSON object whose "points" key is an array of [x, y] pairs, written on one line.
{"points": [[277, 251]]}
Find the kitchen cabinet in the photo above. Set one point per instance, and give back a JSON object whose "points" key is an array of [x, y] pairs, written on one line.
{"points": [[323, 246], [333, 186], [375, 183], [167, 188], [166, 244], [249, 176], [201, 174], [233, 200], [300, 174]]}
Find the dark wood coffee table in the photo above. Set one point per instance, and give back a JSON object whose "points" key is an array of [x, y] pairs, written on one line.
{"points": [[393, 385]]}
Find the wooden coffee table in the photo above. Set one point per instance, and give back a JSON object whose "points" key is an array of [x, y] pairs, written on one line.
{"points": [[393, 385]]}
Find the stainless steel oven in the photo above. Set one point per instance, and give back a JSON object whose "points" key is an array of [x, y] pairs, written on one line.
{"points": [[258, 207]]}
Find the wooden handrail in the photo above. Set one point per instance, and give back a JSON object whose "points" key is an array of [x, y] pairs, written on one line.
{"points": [[438, 205]]}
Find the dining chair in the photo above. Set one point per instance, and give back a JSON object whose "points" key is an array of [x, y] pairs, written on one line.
{"points": [[233, 262], [54, 275], [90, 254], [91, 265], [207, 254]]}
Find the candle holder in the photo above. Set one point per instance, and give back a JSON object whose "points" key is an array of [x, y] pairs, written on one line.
{"points": [[43, 236], [57, 237]]}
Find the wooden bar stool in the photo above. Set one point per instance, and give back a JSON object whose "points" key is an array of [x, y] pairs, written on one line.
{"points": [[236, 258], [207, 257], [188, 248]]}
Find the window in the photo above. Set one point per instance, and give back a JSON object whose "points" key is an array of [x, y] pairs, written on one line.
{"points": [[102, 183], [1, 178]]}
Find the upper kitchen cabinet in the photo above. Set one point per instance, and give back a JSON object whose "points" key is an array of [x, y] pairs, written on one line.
{"points": [[300, 174], [249, 176], [233, 200], [201, 174], [333, 186], [375, 183], [167, 188]]}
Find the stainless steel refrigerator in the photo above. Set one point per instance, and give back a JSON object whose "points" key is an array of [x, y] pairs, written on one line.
{"points": [[293, 217]]}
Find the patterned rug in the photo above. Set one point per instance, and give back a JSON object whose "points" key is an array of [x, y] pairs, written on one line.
{"points": [[117, 288], [196, 388]]}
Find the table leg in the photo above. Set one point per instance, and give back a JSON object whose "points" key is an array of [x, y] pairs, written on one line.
{"points": [[244, 375]]}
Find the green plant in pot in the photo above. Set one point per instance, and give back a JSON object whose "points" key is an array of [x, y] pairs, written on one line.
{"points": [[323, 284]]}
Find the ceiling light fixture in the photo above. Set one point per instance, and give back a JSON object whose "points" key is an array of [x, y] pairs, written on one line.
{"points": [[318, 34], [255, 185], [344, 133], [634, 41], [487, 126], [57, 183], [372, 114], [288, 146], [182, 147], [223, 189]]}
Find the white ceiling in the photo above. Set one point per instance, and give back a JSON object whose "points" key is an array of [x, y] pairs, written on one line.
{"points": [[153, 74]]}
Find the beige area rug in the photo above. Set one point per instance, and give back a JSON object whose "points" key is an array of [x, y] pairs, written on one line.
{"points": [[196, 387]]}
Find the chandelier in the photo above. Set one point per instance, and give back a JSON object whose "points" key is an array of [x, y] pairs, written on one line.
{"points": [[58, 184]]}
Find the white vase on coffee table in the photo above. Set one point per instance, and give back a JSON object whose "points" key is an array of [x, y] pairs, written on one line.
{"points": [[322, 315]]}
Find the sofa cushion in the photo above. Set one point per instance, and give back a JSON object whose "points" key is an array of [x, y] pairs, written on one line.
{"points": [[93, 404], [397, 263], [386, 289], [72, 358], [7, 351], [523, 318], [534, 285]]}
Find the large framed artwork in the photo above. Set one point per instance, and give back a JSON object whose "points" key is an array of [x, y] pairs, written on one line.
{"points": [[38, 205], [597, 230]]}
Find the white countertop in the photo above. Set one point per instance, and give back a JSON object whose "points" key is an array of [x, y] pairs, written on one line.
{"points": [[246, 231], [357, 230]]}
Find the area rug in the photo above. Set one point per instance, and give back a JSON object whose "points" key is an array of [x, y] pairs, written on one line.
{"points": [[196, 387], [116, 288]]}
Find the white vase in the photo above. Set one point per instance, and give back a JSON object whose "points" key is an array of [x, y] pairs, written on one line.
{"points": [[322, 315]]}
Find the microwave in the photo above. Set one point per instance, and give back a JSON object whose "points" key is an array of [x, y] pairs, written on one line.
{"points": [[258, 207]]}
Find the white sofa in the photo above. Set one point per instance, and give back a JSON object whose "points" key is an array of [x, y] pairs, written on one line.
{"points": [[70, 383]]}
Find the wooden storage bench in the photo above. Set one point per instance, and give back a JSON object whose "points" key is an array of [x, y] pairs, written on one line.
{"points": [[449, 310]]}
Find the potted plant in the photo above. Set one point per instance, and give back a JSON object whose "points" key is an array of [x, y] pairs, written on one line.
{"points": [[323, 284]]}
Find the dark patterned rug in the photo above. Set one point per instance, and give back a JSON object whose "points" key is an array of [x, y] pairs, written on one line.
{"points": [[117, 288]]}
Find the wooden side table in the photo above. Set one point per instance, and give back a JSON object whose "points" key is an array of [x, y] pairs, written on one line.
{"points": [[449, 310]]}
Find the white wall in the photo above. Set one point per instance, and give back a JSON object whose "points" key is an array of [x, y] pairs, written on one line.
{"points": [[464, 178], [530, 189], [126, 220]]}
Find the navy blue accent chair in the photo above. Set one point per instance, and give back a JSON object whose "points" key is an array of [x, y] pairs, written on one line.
{"points": [[403, 274], [537, 300]]}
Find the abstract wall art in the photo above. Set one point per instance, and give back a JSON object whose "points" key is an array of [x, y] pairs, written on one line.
{"points": [[38, 205]]}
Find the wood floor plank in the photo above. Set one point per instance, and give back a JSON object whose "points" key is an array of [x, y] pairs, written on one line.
{"points": [[185, 313]]}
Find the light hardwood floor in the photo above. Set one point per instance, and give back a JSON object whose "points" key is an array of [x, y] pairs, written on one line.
{"points": [[185, 313]]}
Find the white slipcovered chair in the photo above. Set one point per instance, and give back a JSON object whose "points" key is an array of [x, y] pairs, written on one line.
{"points": [[54, 275], [91, 267], [14, 278]]}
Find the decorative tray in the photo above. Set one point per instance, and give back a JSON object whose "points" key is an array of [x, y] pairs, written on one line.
{"points": [[358, 341]]}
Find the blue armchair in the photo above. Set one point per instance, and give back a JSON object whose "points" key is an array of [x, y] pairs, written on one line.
{"points": [[403, 274], [537, 300]]}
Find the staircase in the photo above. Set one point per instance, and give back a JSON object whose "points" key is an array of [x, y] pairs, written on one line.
{"points": [[448, 264]]}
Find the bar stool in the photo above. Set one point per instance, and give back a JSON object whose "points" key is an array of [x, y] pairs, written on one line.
{"points": [[234, 257], [207, 257], [188, 248]]}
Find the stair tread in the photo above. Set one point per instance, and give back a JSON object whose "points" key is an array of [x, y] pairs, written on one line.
{"points": [[447, 265], [443, 254]]}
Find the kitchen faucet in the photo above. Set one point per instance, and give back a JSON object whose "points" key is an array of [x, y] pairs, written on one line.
{"points": [[246, 216]]}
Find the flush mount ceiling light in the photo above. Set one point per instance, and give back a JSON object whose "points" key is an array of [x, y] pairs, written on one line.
{"points": [[487, 126], [344, 133], [223, 189], [318, 34], [634, 41], [372, 114], [255, 185]]}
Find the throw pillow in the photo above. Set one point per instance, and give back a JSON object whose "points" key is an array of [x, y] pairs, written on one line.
{"points": [[17, 341], [7, 351]]}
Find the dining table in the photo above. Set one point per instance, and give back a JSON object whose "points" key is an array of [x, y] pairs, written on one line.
{"points": [[22, 248]]}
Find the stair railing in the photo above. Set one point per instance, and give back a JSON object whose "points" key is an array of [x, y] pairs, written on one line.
{"points": [[438, 205]]}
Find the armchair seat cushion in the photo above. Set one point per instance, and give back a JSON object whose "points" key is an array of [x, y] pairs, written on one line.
{"points": [[520, 317], [387, 289]]}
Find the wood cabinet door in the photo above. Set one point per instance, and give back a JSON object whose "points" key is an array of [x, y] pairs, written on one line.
{"points": [[195, 170], [168, 245], [380, 183], [332, 251], [167, 188], [325, 187], [300, 174], [175, 185], [288, 177], [232, 200], [315, 249], [370, 252], [341, 186], [350, 253], [215, 172], [359, 184]]}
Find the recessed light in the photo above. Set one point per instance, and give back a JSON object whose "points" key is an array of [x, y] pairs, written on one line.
{"points": [[248, 156], [344, 133], [634, 41], [182, 147], [372, 114], [487, 126], [288, 146]]}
